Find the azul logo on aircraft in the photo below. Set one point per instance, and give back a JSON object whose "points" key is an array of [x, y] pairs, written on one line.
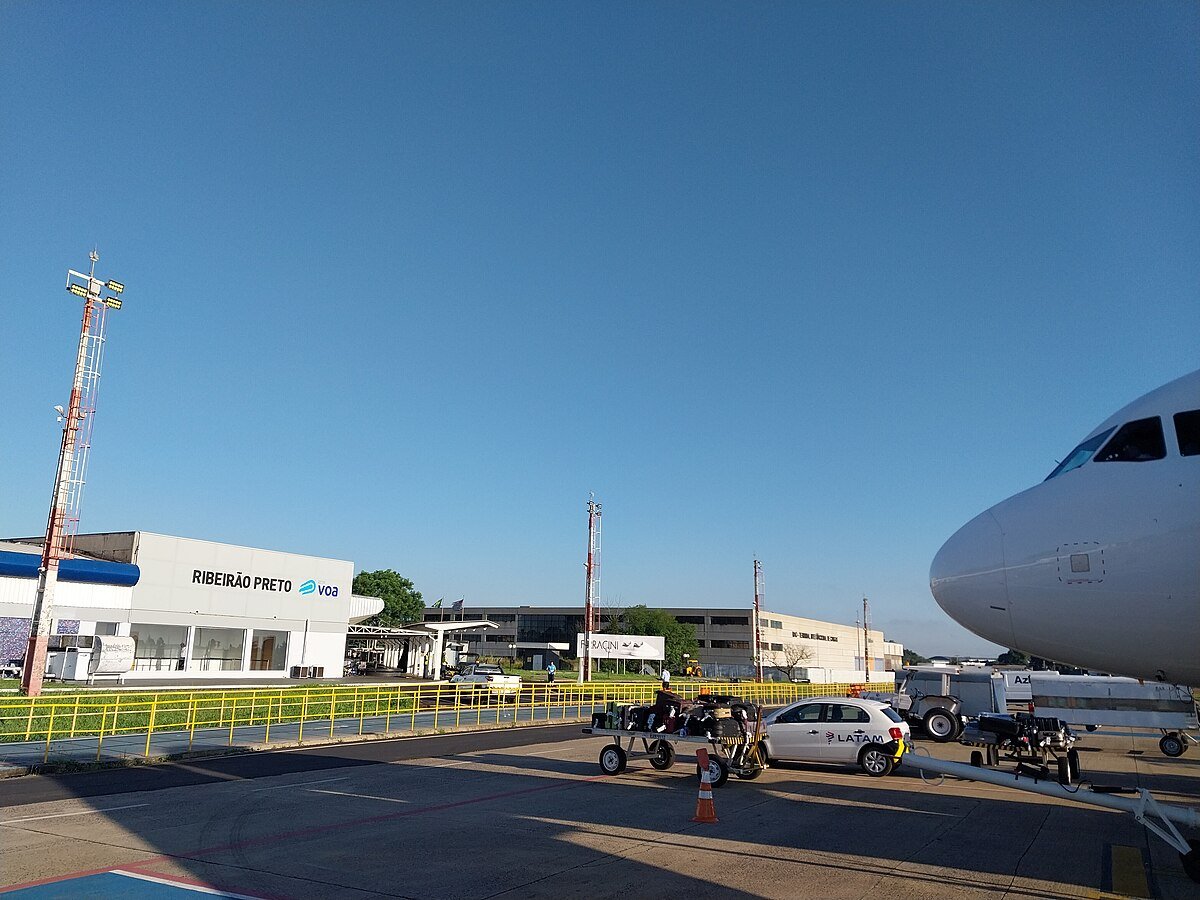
{"points": [[312, 587]]}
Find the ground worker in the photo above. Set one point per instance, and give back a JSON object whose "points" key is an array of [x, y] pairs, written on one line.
{"points": [[550, 670], [666, 678]]}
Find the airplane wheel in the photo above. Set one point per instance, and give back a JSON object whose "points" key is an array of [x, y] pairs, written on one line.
{"points": [[613, 759], [663, 755], [1172, 745], [977, 759], [939, 725]]}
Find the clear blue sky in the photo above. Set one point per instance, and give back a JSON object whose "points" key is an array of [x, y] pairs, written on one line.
{"points": [[812, 281]]}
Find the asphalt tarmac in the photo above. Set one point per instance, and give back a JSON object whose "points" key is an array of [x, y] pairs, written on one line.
{"points": [[527, 813]]}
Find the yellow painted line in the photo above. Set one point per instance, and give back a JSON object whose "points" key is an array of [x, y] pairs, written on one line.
{"points": [[1129, 872]]}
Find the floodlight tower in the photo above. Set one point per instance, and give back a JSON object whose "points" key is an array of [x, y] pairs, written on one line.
{"points": [[591, 595], [758, 597], [69, 477]]}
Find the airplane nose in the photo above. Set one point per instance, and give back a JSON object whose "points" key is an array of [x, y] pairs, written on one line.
{"points": [[968, 581]]}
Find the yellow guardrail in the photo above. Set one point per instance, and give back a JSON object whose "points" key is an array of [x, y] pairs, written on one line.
{"points": [[99, 714]]}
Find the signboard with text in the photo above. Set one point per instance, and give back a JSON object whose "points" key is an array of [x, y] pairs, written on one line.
{"points": [[624, 646]]}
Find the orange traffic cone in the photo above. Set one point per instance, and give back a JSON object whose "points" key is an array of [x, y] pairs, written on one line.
{"points": [[705, 812]]}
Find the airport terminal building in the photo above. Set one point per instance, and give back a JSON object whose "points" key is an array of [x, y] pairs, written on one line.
{"points": [[194, 608], [832, 652], [200, 609]]}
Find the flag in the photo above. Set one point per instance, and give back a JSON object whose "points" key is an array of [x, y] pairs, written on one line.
{"points": [[438, 605], [458, 604]]}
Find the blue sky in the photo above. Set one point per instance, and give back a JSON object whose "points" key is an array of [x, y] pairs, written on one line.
{"points": [[816, 282]]}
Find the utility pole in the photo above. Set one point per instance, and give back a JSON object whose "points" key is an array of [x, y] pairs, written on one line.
{"points": [[69, 478], [758, 596], [591, 595], [866, 639]]}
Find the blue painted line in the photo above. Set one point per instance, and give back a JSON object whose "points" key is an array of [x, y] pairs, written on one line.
{"points": [[113, 886]]}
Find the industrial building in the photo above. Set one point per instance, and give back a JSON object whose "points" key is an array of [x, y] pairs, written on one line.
{"points": [[830, 652]]}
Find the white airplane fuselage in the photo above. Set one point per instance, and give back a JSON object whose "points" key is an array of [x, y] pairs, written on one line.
{"points": [[1099, 565]]}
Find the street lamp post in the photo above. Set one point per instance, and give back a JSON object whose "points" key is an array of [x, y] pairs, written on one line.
{"points": [[68, 477]]}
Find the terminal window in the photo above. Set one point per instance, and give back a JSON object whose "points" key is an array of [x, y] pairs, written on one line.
{"points": [[730, 620], [218, 649], [157, 648], [268, 650]]}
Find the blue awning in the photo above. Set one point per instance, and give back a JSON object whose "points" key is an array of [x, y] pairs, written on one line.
{"points": [[87, 571]]}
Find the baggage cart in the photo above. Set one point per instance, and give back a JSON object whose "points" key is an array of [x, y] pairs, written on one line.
{"points": [[738, 754]]}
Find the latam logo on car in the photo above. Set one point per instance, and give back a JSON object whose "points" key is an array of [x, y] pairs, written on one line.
{"points": [[859, 738], [312, 587]]}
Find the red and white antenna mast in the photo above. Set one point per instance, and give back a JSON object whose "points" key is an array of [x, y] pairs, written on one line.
{"points": [[591, 595], [70, 476], [758, 598]]}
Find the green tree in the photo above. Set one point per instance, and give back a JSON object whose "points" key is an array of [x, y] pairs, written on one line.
{"points": [[913, 658], [679, 638], [402, 602], [1013, 658]]}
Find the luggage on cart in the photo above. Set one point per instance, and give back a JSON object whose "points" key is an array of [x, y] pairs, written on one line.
{"points": [[636, 717], [667, 706]]}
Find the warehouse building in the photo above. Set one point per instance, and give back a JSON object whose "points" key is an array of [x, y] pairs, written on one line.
{"points": [[820, 651], [194, 608]]}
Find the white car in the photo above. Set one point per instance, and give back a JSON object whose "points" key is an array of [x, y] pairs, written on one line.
{"points": [[844, 730]]}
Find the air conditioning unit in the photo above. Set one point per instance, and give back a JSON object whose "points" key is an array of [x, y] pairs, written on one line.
{"points": [[302, 671]]}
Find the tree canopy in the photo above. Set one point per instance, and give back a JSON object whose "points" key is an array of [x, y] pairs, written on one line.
{"points": [[787, 661], [1013, 658], [913, 658], [679, 638], [402, 602]]}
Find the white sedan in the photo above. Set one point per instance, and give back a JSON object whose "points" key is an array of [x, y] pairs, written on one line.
{"points": [[839, 730]]}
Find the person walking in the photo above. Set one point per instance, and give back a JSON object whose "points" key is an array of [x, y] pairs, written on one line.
{"points": [[666, 678], [550, 670]]}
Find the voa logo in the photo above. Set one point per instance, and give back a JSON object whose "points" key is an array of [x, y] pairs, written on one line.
{"points": [[312, 587]]}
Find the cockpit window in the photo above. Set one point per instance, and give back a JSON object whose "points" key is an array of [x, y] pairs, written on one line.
{"points": [[1080, 454], [1137, 441], [1187, 430]]}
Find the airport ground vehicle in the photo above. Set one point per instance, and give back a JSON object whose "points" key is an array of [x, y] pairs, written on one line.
{"points": [[939, 698], [844, 730], [1123, 702], [1032, 742], [730, 727], [489, 677]]}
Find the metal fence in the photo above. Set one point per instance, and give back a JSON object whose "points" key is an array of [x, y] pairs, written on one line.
{"points": [[175, 718]]}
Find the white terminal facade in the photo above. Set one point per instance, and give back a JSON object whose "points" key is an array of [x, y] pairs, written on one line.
{"points": [[200, 609], [194, 608]]}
